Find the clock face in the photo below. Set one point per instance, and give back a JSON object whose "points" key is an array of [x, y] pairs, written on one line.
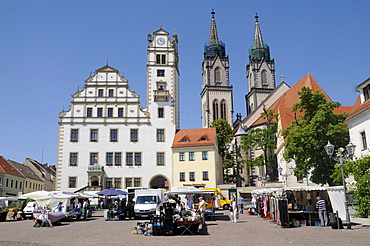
{"points": [[160, 41]]}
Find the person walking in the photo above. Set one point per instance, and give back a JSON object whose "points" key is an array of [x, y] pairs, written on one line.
{"points": [[321, 207], [234, 209], [202, 209]]}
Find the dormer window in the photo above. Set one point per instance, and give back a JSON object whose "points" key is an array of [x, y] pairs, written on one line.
{"points": [[184, 140], [366, 91], [203, 139]]}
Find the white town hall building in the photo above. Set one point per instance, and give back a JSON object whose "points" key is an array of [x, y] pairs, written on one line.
{"points": [[106, 139]]}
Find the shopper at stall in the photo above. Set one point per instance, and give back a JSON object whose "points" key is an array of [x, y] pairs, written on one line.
{"points": [[321, 209], [60, 207], [234, 210], [85, 207], [202, 209], [241, 204]]}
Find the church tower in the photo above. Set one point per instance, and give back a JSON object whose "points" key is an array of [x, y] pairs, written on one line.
{"points": [[260, 71], [216, 96]]}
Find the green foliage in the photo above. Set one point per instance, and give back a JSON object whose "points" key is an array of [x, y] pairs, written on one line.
{"points": [[306, 137], [224, 135], [263, 139], [360, 169]]}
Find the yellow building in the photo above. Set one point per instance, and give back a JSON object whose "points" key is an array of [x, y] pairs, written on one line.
{"points": [[196, 161], [32, 182]]}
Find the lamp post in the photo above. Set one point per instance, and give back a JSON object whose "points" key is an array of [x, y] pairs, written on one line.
{"points": [[343, 154], [291, 169], [239, 132], [264, 179]]}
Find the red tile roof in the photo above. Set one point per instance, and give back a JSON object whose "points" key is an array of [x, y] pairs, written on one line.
{"points": [[5, 167], [358, 108], [194, 137], [283, 105]]}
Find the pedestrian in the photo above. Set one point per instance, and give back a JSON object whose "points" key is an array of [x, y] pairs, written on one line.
{"points": [[202, 209], [85, 206], [234, 210], [241, 204], [101, 204], [60, 206], [321, 209]]}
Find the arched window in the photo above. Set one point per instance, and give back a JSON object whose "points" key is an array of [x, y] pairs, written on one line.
{"points": [[218, 75], [223, 109], [265, 82], [215, 109]]}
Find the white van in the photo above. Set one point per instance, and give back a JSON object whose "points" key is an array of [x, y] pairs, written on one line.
{"points": [[29, 209]]}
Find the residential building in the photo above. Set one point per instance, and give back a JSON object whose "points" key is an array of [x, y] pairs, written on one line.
{"points": [[196, 161], [107, 139], [11, 181], [44, 171], [32, 182], [217, 93], [359, 120]]}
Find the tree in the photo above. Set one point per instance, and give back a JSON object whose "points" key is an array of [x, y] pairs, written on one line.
{"points": [[360, 169], [306, 137], [224, 137], [264, 139]]}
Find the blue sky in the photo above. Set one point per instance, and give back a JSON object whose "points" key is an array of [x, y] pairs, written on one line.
{"points": [[48, 48]]}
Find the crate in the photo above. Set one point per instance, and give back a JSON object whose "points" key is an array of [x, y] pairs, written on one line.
{"points": [[317, 223], [303, 222]]}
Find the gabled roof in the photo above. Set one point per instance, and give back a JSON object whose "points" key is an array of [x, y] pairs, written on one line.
{"points": [[26, 171], [283, 105], [107, 68], [195, 137], [160, 31], [358, 108], [6, 168]]}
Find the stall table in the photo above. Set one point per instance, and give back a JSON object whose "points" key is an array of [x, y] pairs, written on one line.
{"points": [[192, 227]]}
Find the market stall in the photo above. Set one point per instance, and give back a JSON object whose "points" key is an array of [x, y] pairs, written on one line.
{"points": [[296, 206]]}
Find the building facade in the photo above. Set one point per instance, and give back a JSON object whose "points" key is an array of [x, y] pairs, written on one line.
{"points": [[196, 161], [217, 93], [11, 181], [359, 120], [107, 139], [31, 182]]}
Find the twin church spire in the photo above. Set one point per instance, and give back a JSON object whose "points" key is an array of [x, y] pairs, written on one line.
{"points": [[216, 96]]}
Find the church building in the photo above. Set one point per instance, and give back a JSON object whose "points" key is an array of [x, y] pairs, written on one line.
{"points": [[217, 93]]}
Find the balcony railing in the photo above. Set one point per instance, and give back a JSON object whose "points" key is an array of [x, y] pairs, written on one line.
{"points": [[95, 168]]}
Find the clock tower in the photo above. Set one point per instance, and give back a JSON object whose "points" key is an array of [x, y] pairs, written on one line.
{"points": [[260, 71], [216, 96], [163, 78]]}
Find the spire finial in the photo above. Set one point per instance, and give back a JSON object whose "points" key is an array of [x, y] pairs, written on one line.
{"points": [[213, 36], [107, 61], [257, 32]]}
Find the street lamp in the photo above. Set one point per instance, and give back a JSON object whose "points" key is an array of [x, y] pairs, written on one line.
{"points": [[343, 155], [291, 169], [239, 132], [264, 179]]}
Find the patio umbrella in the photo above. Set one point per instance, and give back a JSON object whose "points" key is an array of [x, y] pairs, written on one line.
{"points": [[111, 192]]}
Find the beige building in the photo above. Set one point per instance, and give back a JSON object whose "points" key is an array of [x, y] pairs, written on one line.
{"points": [[196, 161], [32, 182]]}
